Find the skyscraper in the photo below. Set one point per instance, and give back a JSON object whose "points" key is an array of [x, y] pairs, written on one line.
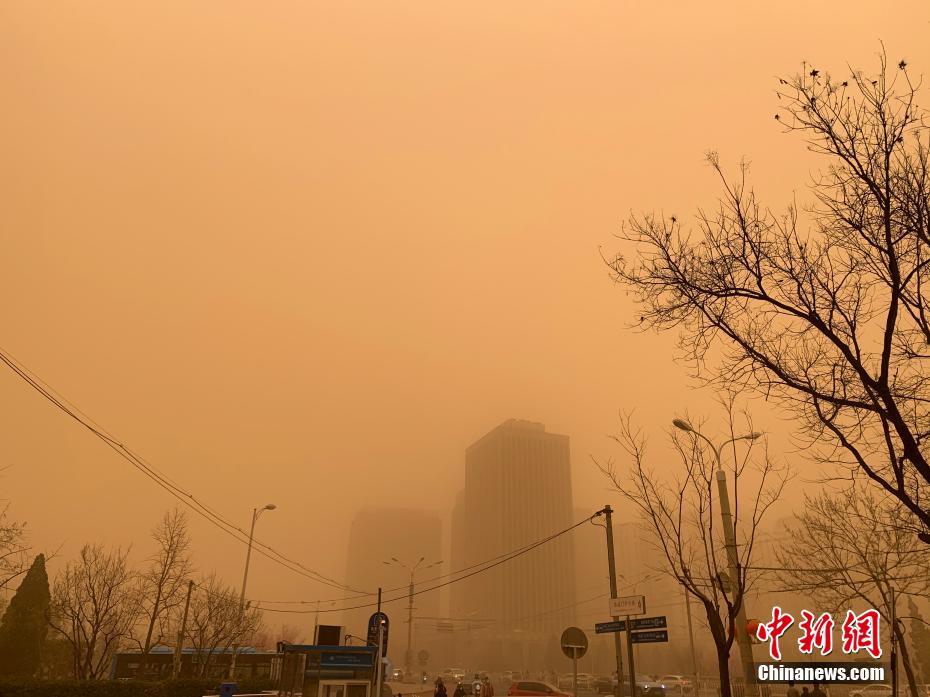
{"points": [[379, 536], [518, 490]]}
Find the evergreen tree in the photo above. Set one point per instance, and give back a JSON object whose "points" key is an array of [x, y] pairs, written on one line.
{"points": [[25, 623]]}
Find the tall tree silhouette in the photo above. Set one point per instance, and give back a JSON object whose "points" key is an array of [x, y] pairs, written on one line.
{"points": [[25, 623]]}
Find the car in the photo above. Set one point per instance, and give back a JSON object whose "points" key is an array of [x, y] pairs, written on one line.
{"points": [[677, 684], [585, 681], [533, 688], [625, 687], [651, 688], [871, 691]]}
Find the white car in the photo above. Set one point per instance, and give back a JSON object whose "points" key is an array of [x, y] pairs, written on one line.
{"points": [[677, 684], [871, 691]]}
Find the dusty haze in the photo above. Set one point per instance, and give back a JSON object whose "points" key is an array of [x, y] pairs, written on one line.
{"points": [[307, 252]]}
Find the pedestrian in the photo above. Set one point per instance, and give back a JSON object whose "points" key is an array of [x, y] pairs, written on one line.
{"points": [[805, 692], [792, 690], [817, 692], [459, 691], [440, 690]]}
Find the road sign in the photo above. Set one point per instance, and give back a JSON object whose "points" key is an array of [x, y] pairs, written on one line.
{"points": [[423, 657], [657, 622], [574, 642], [628, 605], [373, 622], [652, 637]]}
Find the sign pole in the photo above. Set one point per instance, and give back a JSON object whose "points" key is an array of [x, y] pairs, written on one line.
{"points": [[575, 669], [612, 570], [629, 651], [380, 644], [694, 663]]}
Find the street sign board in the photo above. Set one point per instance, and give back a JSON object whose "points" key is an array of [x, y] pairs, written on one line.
{"points": [[657, 622], [373, 622], [628, 605], [650, 637], [423, 657], [574, 642], [347, 659]]}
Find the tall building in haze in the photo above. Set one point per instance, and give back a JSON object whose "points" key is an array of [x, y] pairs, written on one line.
{"points": [[380, 535], [518, 490]]}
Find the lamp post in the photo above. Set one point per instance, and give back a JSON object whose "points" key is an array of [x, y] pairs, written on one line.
{"points": [[256, 513], [408, 654], [729, 535]]}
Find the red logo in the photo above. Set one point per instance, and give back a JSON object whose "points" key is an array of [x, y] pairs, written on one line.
{"points": [[859, 632]]}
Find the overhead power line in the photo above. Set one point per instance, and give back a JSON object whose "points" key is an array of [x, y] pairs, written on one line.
{"points": [[405, 587], [506, 558], [174, 489]]}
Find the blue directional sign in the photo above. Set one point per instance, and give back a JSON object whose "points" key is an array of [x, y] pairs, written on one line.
{"points": [[345, 659], [658, 622], [653, 637], [649, 623]]}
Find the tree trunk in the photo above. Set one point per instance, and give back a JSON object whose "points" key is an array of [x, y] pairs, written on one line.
{"points": [[151, 629], [906, 661], [722, 647], [723, 668]]}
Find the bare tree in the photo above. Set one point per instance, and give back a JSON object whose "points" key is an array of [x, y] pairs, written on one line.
{"points": [[215, 623], [825, 313], [14, 560], [162, 584], [680, 517], [862, 555], [94, 607], [288, 633]]}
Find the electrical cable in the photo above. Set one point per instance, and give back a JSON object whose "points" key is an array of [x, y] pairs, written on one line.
{"points": [[175, 490], [519, 553]]}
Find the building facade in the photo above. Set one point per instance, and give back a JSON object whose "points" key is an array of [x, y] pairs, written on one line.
{"points": [[379, 536], [518, 490]]}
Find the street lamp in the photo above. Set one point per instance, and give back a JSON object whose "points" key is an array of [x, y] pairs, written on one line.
{"points": [[408, 655], [256, 513], [729, 535]]}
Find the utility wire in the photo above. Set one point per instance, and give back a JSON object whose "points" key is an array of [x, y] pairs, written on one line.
{"points": [[405, 587], [181, 494], [510, 557]]}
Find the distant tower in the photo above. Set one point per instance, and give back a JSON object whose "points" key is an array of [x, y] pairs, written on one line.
{"points": [[457, 602], [518, 490], [376, 535]]}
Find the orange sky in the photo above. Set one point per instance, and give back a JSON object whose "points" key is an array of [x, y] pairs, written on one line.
{"points": [[306, 252]]}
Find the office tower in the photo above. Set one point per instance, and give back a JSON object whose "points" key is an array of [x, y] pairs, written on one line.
{"points": [[377, 538], [518, 490]]}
